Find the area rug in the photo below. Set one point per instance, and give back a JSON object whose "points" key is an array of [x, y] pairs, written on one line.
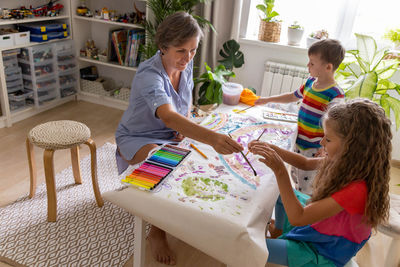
{"points": [[84, 234]]}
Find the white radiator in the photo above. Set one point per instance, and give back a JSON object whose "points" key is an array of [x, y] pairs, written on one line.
{"points": [[282, 78]]}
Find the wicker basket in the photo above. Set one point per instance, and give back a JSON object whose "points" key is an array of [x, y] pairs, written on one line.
{"points": [[269, 31]]}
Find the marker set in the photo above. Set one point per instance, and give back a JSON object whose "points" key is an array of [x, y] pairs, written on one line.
{"points": [[157, 167]]}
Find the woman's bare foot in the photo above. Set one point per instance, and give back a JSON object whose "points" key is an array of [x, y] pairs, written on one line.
{"points": [[274, 232], [159, 246]]}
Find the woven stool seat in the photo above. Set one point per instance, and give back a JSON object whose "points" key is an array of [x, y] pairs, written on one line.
{"points": [[52, 136], [59, 134]]}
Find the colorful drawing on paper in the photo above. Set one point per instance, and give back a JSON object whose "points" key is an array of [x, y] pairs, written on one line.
{"points": [[216, 184], [245, 129]]}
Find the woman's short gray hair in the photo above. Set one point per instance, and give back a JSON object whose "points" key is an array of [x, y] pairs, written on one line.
{"points": [[176, 29]]}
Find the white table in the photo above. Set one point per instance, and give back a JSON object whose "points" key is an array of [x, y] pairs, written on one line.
{"points": [[227, 224]]}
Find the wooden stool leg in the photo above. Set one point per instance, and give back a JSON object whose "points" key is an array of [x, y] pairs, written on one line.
{"points": [[76, 169], [32, 168], [50, 185], [93, 159]]}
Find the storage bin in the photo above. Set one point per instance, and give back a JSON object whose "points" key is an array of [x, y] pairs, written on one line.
{"points": [[16, 87], [48, 36], [6, 40], [13, 74], [41, 28], [18, 99], [67, 79], [66, 65], [10, 62], [21, 38], [46, 96]]}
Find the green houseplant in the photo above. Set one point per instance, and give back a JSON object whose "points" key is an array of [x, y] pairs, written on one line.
{"points": [[270, 26], [210, 91], [163, 8], [365, 73]]}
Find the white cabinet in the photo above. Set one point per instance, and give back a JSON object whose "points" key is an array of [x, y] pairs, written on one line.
{"points": [[16, 111], [90, 28]]}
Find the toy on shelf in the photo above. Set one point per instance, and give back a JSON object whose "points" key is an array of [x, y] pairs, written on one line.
{"points": [[83, 10], [91, 50], [48, 10]]}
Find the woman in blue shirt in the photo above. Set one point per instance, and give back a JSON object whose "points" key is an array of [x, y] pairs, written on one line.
{"points": [[159, 105]]}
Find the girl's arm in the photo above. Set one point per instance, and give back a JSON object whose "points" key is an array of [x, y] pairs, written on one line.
{"points": [[223, 144], [297, 214], [294, 159], [283, 98]]}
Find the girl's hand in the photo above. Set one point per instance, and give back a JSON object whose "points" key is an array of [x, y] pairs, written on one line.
{"points": [[178, 137], [269, 156]]}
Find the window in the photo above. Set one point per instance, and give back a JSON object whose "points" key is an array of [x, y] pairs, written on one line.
{"points": [[341, 18]]}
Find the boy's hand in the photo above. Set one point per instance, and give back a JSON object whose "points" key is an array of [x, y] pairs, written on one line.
{"points": [[270, 157], [262, 101]]}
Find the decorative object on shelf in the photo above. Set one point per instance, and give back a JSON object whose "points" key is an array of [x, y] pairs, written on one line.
{"points": [[270, 26], [161, 9], [210, 91], [105, 14], [365, 73], [91, 50], [393, 35], [295, 33], [317, 36]]}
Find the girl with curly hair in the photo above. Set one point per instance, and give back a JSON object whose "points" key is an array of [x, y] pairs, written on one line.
{"points": [[350, 191]]}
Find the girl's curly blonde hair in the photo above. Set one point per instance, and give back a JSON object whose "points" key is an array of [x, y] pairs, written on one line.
{"points": [[365, 155]]}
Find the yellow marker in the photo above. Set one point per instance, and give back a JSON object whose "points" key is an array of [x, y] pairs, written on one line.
{"points": [[137, 184], [201, 153]]}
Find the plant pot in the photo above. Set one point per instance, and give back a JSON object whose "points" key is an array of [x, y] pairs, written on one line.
{"points": [[311, 40], [294, 36], [209, 108], [269, 31]]}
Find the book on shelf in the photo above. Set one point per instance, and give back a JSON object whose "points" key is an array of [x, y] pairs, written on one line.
{"points": [[124, 46]]}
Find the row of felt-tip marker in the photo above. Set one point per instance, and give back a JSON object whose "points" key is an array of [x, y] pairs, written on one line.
{"points": [[147, 176], [169, 156]]}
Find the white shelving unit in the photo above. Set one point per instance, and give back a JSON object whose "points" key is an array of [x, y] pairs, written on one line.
{"points": [[8, 118], [98, 31]]}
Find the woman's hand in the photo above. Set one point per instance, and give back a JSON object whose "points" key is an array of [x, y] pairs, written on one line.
{"points": [[223, 144], [177, 137], [268, 154]]}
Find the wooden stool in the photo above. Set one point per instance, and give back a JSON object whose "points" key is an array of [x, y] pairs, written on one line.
{"points": [[55, 135], [392, 228]]}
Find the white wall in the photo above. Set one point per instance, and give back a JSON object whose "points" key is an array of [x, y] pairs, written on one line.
{"points": [[257, 52]]}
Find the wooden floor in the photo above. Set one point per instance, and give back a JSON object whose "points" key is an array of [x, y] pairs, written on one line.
{"points": [[103, 121]]}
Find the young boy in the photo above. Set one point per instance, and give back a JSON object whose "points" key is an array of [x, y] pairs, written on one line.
{"points": [[318, 91]]}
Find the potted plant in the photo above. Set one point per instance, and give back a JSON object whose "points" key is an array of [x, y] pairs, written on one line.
{"points": [[270, 27], [295, 33], [210, 91], [394, 37], [366, 73], [317, 36], [160, 10]]}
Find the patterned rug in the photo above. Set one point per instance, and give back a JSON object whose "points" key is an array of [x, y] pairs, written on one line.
{"points": [[84, 234]]}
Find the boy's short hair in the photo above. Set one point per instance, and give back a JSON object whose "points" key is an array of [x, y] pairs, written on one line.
{"points": [[329, 50]]}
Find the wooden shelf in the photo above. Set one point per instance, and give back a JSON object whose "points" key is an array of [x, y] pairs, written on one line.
{"points": [[109, 64], [127, 25], [37, 19], [34, 43]]}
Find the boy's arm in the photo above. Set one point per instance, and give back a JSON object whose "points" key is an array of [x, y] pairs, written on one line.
{"points": [[294, 159], [283, 98]]}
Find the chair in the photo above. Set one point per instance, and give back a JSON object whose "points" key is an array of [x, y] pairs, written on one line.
{"points": [[56, 135], [392, 229]]}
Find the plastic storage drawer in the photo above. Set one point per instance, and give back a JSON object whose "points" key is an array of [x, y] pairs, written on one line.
{"points": [[47, 95], [18, 99], [38, 53], [40, 69], [41, 83]]}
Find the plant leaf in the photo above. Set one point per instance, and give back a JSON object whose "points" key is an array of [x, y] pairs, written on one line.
{"points": [[366, 46], [365, 86], [385, 105], [395, 106], [231, 54]]}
